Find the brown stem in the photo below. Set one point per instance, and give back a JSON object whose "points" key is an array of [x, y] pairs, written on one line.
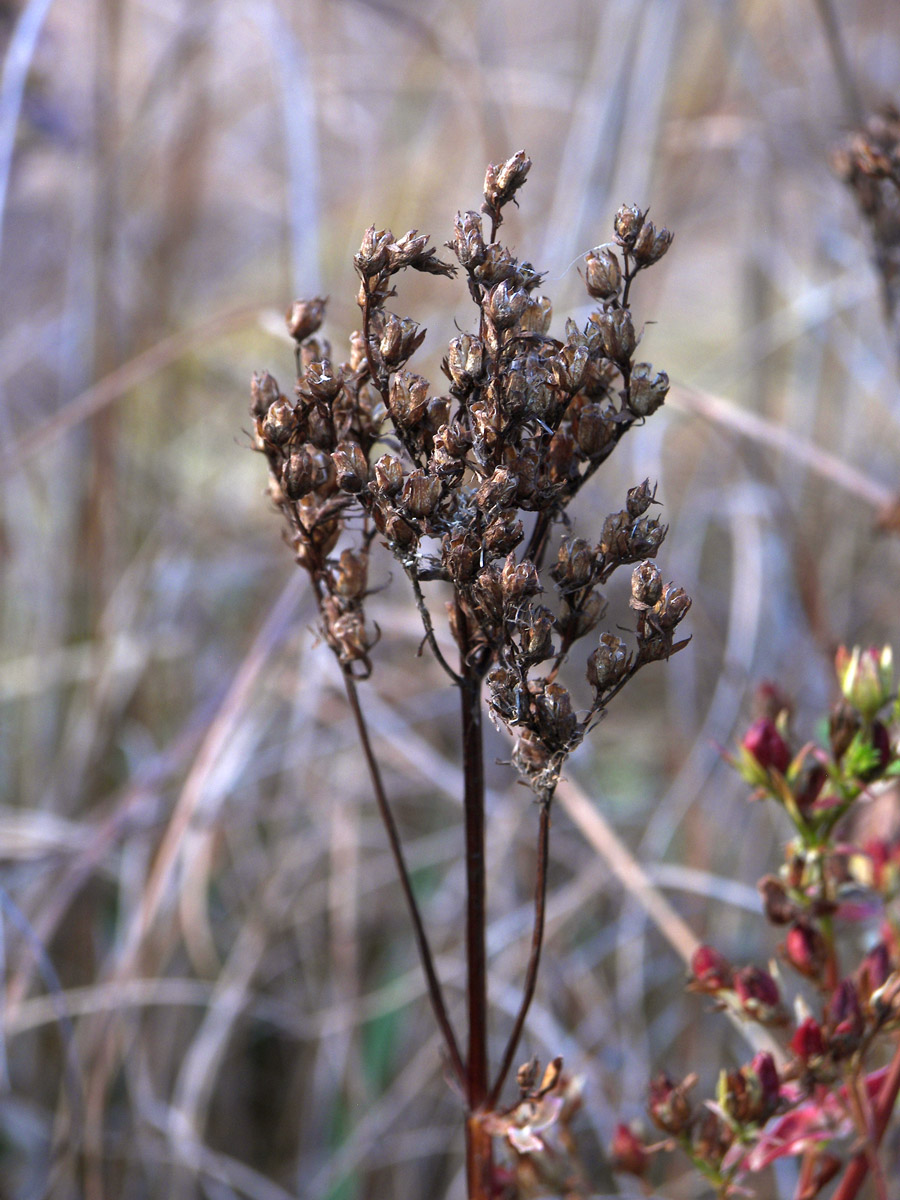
{"points": [[884, 1105], [435, 993], [537, 940], [478, 1143]]}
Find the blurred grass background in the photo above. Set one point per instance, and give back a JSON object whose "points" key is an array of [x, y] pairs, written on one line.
{"points": [[208, 985]]}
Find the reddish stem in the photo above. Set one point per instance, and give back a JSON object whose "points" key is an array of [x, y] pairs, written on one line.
{"points": [[884, 1105]]}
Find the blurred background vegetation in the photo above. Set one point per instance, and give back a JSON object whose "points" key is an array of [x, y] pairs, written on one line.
{"points": [[208, 985]]}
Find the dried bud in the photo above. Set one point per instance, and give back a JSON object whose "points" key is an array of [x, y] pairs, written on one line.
{"points": [[264, 392], [711, 970], [651, 244], [766, 745], [616, 331], [557, 722], [350, 575], [464, 363], [750, 1096], [322, 381], [502, 182], [408, 399], [519, 580], [411, 251], [646, 391], [503, 534], [608, 664], [758, 995], [372, 256], [306, 470], [593, 430], [628, 1154], [537, 315], [280, 422], [670, 1109], [399, 533], [421, 493], [628, 222], [497, 490], [400, 339], [575, 565], [304, 317], [646, 586], [468, 242], [639, 498], [460, 557], [351, 467], [535, 629], [505, 304], [674, 603], [603, 275], [388, 475]]}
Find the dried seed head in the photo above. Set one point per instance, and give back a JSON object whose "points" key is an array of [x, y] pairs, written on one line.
{"points": [[503, 534], [502, 182], [264, 391], [460, 556], [306, 470], [372, 256], [351, 467], [304, 318], [400, 339], [557, 723], [576, 622], [646, 585], [603, 275], [616, 332], [464, 363], [468, 242], [646, 390], [608, 664], [567, 368], [535, 629], [322, 381], [519, 580], [280, 422], [627, 224], [497, 490], [537, 315], [640, 498], [505, 303], [350, 575], [575, 564], [651, 244], [672, 606], [399, 533], [408, 399], [421, 493], [388, 475], [593, 430]]}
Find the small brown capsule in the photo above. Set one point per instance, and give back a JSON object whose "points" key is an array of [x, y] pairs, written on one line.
{"points": [[351, 467], [304, 318], [388, 475], [627, 224], [421, 493], [264, 391], [408, 399], [603, 275], [646, 390], [608, 664], [280, 422]]}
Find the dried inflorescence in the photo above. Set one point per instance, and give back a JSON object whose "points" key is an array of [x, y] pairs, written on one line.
{"points": [[466, 486]]}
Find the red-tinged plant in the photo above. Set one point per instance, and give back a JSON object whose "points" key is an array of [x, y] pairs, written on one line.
{"points": [[827, 1096], [467, 486]]}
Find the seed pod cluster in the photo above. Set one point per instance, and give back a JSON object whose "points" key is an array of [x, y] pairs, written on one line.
{"points": [[467, 486]]}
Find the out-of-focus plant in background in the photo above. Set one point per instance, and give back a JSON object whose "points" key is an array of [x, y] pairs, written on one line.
{"points": [[209, 990]]}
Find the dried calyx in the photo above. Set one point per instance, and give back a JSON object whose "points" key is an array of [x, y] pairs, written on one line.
{"points": [[467, 486]]}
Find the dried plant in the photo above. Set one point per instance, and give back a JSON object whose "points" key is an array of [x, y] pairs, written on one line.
{"points": [[826, 1094], [468, 490]]}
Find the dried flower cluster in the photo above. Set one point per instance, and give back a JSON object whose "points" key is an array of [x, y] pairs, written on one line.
{"points": [[868, 161], [829, 1097], [466, 486]]}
